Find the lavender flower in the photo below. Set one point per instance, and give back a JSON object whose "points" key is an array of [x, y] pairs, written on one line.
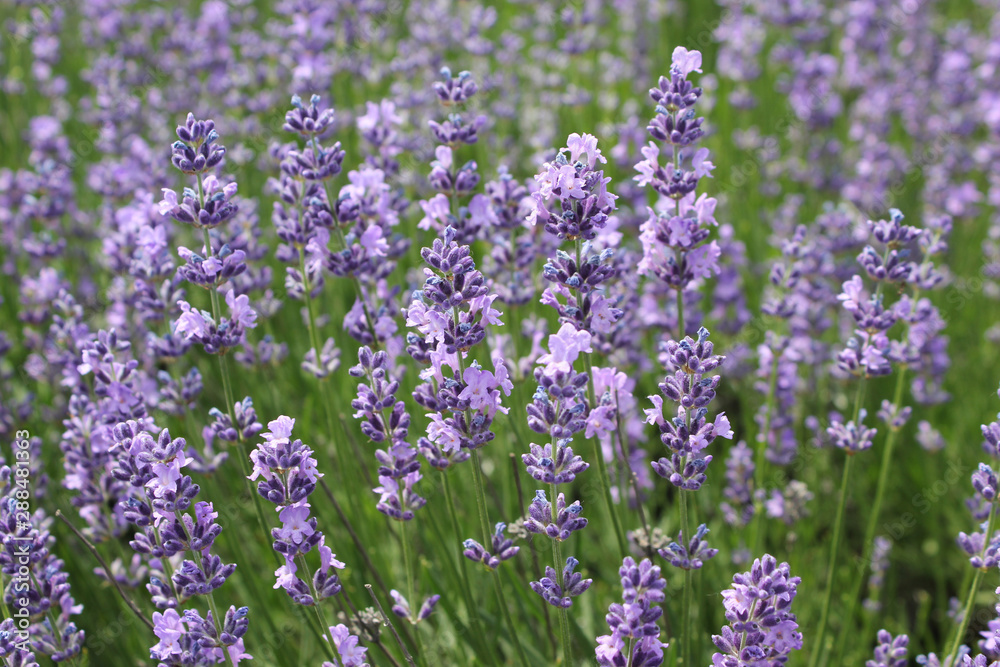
{"points": [[690, 554], [559, 408], [686, 435], [635, 619], [557, 522], [216, 337], [761, 626], [452, 182], [401, 607], [560, 468], [561, 594], [879, 565], [288, 476], [738, 507], [450, 315], [674, 239], [502, 549], [36, 584], [399, 469], [190, 639], [890, 652], [349, 650], [160, 494]]}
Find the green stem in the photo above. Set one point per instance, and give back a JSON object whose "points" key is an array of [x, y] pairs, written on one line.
{"points": [[472, 608], [963, 624], [869, 543], [602, 466], [688, 583], [107, 571], [314, 339], [632, 480], [354, 537], [883, 476], [559, 565], [324, 637], [408, 566], [680, 314], [227, 383], [837, 531], [387, 622], [477, 468], [838, 527]]}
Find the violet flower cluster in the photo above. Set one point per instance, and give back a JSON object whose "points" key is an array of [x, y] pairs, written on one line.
{"points": [[385, 420], [687, 434], [452, 312], [762, 627], [288, 475], [450, 315], [13, 650], [86, 443], [635, 635], [349, 650], [359, 221], [299, 215], [871, 352], [197, 153], [514, 245], [983, 546], [572, 202], [891, 651], [36, 588], [559, 409], [674, 236], [453, 182], [159, 499]]}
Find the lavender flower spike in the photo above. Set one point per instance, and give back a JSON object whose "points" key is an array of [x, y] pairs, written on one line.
{"points": [[762, 628], [635, 619]]}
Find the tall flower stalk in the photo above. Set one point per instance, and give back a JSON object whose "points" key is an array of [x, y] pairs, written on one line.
{"points": [[288, 476], [678, 254], [160, 495], [559, 410], [197, 153], [686, 435], [573, 203], [869, 353], [450, 315]]}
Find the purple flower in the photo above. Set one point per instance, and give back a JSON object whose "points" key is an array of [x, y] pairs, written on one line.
{"points": [[761, 624], [559, 468], [296, 525], [402, 607], [564, 348], [635, 618], [685, 61], [350, 651], [558, 524], [503, 549], [891, 651], [561, 595], [689, 555], [851, 437]]}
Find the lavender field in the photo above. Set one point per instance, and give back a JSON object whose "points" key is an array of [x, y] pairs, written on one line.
{"points": [[416, 334]]}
